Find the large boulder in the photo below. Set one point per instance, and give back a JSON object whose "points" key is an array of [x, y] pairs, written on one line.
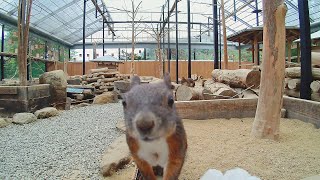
{"points": [[116, 157], [23, 118], [3, 122], [58, 87], [46, 112], [107, 97]]}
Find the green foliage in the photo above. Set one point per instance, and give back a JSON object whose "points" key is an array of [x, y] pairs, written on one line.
{"points": [[36, 49]]}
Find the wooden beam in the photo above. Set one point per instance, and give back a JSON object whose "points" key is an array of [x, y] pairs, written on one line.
{"points": [[256, 50], [289, 50], [104, 18], [239, 54], [225, 46]]}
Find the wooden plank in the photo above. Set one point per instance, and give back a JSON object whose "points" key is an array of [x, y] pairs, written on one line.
{"points": [[8, 90]]}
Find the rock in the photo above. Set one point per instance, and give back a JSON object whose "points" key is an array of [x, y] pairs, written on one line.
{"points": [[58, 87], [46, 112], [121, 126], [23, 118], [116, 157], [107, 97], [82, 105], [55, 78], [3, 122]]}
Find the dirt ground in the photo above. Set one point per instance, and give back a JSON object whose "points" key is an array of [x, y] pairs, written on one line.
{"points": [[224, 144]]}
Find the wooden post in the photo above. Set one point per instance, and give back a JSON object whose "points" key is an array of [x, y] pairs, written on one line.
{"points": [[239, 54], [289, 50], [225, 45], [24, 12], [298, 54], [267, 119], [252, 51], [256, 50]]}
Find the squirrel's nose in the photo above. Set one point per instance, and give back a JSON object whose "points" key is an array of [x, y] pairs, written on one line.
{"points": [[145, 126]]}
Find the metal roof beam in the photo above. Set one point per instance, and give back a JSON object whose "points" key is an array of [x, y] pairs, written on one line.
{"points": [[105, 20]]}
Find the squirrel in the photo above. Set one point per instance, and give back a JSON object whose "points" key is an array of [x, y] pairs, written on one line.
{"points": [[154, 132]]}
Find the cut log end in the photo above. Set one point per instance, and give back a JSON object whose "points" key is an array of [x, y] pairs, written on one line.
{"points": [[253, 79]]}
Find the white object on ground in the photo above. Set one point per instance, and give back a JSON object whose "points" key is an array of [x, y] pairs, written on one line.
{"points": [[233, 174]]}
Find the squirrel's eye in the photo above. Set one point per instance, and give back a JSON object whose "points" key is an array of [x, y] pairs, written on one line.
{"points": [[124, 103], [170, 101]]}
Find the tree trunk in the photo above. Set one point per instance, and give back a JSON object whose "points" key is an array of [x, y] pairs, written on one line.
{"points": [[160, 56], [242, 78], [133, 41], [295, 72], [267, 119], [185, 93], [24, 12]]}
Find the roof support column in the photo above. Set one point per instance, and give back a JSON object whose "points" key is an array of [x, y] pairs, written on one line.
{"points": [[177, 45], [84, 39], [306, 71], [215, 34], [163, 62], [189, 40], [2, 57], [169, 50]]}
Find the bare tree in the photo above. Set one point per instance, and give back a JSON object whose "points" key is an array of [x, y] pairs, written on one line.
{"points": [[155, 34], [132, 14], [267, 119], [24, 13]]}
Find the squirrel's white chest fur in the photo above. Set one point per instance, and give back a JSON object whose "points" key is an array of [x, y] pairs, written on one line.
{"points": [[156, 152]]}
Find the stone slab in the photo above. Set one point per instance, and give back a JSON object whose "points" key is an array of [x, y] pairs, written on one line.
{"points": [[116, 157]]}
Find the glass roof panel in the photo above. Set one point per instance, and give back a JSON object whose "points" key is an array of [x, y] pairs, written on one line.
{"points": [[64, 18]]}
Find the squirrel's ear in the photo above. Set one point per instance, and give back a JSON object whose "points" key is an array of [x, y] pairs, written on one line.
{"points": [[135, 80], [167, 80]]}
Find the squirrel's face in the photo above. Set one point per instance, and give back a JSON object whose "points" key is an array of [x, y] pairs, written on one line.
{"points": [[149, 110]]}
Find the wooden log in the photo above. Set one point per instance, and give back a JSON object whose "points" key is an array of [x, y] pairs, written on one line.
{"points": [[292, 93], [79, 96], [315, 86], [267, 118], [185, 93], [315, 97], [93, 79], [294, 84], [220, 93], [242, 78], [106, 74], [91, 71], [248, 94], [295, 72], [106, 80], [286, 82], [212, 84]]}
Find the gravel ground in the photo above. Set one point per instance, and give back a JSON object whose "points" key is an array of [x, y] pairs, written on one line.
{"points": [[67, 146]]}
